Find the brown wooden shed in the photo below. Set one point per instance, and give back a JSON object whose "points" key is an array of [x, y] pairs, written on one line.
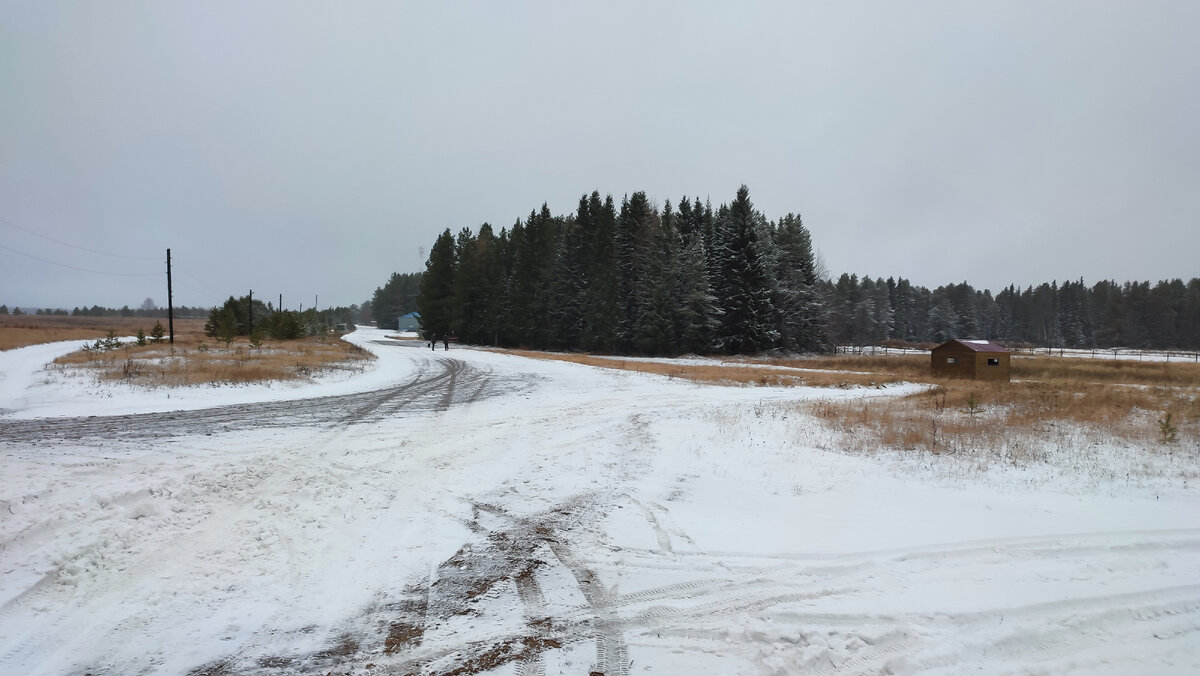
{"points": [[975, 359]]}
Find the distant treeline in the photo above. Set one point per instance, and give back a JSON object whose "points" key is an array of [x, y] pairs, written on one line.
{"points": [[1071, 314], [630, 279], [97, 311], [636, 279]]}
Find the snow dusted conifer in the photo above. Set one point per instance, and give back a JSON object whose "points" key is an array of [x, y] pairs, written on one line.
{"points": [[657, 326], [568, 286], [801, 310], [602, 312], [437, 287], [748, 322], [698, 312]]}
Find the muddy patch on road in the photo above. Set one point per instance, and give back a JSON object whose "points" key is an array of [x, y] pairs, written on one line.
{"points": [[496, 569]]}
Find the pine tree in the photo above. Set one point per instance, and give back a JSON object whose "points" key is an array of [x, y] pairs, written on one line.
{"points": [[748, 322], [489, 269], [602, 312], [521, 286], [1189, 317], [656, 331], [468, 293], [801, 312], [636, 225], [436, 297], [698, 314], [943, 321], [568, 285]]}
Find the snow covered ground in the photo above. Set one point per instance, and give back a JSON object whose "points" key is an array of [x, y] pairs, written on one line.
{"points": [[470, 512]]}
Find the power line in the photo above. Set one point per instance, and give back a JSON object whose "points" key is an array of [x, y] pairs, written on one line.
{"points": [[75, 267], [195, 278], [75, 246], [198, 291]]}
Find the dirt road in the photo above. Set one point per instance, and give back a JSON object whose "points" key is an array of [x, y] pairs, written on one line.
{"points": [[449, 382]]}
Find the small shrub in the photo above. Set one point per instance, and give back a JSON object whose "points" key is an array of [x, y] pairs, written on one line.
{"points": [[972, 404], [1168, 434], [226, 334], [157, 333], [141, 338], [131, 369]]}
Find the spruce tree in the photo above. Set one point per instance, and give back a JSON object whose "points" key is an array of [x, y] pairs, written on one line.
{"points": [[436, 297], [602, 312], [568, 286], [636, 225], [489, 269], [801, 312], [698, 313], [748, 322], [467, 297], [656, 331]]}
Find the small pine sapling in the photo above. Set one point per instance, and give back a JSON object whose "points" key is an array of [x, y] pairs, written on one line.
{"points": [[1168, 433], [141, 338], [157, 333], [972, 404], [226, 334]]}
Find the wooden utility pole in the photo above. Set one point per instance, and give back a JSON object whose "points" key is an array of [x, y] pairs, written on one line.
{"points": [[170, 303], [250, 307]]}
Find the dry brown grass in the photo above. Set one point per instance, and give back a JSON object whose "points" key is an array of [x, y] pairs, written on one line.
{"points": [[193, 359], [733, 373], [1114, 399], [23, 330], [1049, 396], [196, 360]]}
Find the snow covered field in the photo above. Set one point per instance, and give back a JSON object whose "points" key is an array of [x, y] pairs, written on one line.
{"points": [[471, 512]]}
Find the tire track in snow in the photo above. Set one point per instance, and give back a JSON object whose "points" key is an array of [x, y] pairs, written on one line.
{"points": [[1060, 628], [612, 653], [438, 391]]}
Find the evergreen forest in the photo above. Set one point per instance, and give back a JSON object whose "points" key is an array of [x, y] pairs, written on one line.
{"points": [[630, 279], [1165, 315], [634, 278]]}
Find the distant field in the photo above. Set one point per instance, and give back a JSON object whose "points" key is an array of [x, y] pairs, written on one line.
{"points": [[193, 359], [23, 330]]}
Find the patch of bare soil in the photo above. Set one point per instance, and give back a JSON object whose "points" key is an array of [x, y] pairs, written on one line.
{"points": [[389, 636], [503, 653]]}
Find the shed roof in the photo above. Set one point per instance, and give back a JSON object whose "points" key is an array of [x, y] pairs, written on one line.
{"points": [[977, 345]]}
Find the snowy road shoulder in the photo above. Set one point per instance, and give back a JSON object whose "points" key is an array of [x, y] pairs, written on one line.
{"points": [[31, 388]]}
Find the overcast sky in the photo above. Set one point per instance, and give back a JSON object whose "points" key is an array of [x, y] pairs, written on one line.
{"points": [[313, 148]]}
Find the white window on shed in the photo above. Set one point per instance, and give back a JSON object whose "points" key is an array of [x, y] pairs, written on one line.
{"points": [[951, 360]]}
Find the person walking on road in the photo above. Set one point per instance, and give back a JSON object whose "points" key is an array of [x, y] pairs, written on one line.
{"points": [[445, 343]]}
